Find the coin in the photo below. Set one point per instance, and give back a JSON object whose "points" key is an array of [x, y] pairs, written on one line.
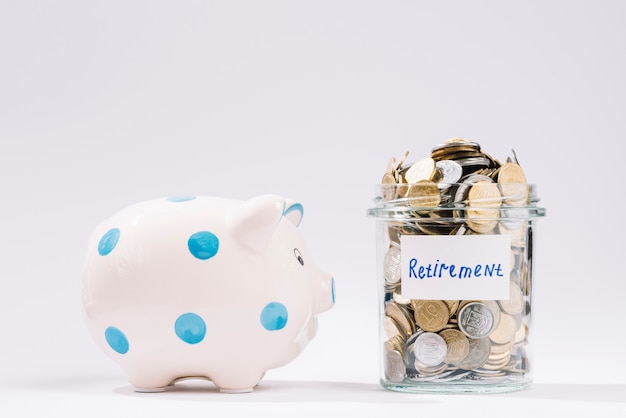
{"points": [[451, 171], [392, 264], [399, 299], [511, 172], [506, 329], [430, 315], [479, 349], [401, 316], [462, 189], [484, 199], [402, 160], [424, 169], [452, 146], [430, 349], [501, 348], [453, 306], [476, 320], [423, 193], [458, 345], [515, 303], [512, 180], [391, 327], [431, 372], [457, 141], [394, 366], [388, 187], [396, 343]]}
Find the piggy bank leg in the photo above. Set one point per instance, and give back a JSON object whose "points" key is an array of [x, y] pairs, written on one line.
{"points": [[150, 387], [238, 382], [147, 381]]}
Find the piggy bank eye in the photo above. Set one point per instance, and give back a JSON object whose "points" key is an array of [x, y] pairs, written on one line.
{"points": [[296, 252]]}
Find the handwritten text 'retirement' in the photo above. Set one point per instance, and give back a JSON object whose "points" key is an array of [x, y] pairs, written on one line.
{"points": [[443, 270]]}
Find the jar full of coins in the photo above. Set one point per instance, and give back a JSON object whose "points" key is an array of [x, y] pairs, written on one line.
{"points": [[455, 233]]}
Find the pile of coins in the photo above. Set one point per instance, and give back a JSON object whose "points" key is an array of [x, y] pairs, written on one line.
{"points": [[458, 190]]}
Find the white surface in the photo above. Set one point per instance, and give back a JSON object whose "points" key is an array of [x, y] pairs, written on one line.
{"points": [[110, 397], [106, 103]]}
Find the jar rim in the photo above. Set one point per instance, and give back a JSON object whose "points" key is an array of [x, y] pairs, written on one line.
{"points": [[452, 201]]}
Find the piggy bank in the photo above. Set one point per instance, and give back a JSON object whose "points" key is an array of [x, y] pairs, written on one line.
{"points": [[202, 287]]}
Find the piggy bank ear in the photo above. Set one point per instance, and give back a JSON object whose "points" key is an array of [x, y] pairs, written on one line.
{"points": [[254, 224], [293, 211]]}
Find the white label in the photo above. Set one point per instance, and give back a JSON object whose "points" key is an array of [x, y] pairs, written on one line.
{"points": [[455, 267]]}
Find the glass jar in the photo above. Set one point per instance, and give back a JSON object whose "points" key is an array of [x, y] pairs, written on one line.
{"points": [[455, 273]]}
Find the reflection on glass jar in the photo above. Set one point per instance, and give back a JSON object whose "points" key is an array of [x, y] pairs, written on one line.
{"points": [[455, 236]]}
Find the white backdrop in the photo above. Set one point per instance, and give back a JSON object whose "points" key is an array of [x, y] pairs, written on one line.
{"points": [[106, 103]]}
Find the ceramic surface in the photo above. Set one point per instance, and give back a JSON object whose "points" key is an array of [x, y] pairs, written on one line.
{"points": [[203, 287]]}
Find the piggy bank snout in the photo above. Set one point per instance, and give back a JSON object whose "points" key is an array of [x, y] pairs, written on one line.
{"points": [[326, 293]]}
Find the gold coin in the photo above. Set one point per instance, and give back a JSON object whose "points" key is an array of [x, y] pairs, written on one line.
{"points": [[512, 180], [458, 345], [424, 169], [402, 160], [425, 370], [388, 187], [515, 303], [430, 315], [484, 200], [497, 364], [486, 195], [521, 335], [391, 166], [402, 188], [402, 317], [511, 172], [456, 141], [453, 306], [501, 348], [424, 194], [391, 327], [506, 329], [479, 350], [396, 343]]}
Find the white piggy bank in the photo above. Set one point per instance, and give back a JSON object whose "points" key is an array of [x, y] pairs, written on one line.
{"points": [[202, 287]]}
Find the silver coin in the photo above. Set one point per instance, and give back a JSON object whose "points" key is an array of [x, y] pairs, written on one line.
{"points": [[430, 349], [451, 171], [392, 264], [394, 366], [474, 161], [476, 320]]}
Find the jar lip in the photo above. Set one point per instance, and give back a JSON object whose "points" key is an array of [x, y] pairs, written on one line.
{"points": [[451, 201], [445, 214]]}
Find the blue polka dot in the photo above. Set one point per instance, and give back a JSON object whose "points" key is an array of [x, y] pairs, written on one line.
{"points": [[203, 245], [180, 198], [108, 241], [274, 316], [116, 340], [190, 328]]}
